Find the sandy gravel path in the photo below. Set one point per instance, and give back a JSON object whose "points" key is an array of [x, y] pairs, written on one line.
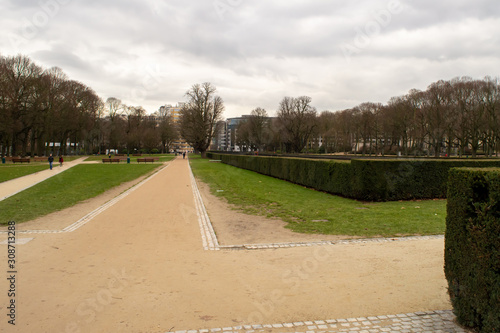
{"points": [[140, 267]]}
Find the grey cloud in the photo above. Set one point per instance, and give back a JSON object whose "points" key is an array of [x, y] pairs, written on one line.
{"points": [[258, 51]]}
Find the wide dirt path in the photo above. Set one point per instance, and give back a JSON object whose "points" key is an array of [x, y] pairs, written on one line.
{"points": [[140, 267]]}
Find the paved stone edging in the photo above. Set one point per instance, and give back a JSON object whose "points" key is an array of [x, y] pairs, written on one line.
{"points": [[431, 321], [208, 237], [87, 218], [333, 242]]}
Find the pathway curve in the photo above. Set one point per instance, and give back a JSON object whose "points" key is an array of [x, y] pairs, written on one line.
{"points": [[140, 266]]}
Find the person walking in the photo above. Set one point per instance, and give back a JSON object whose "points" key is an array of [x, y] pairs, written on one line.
{"points": [[51, 160], [61, 160], [183, 155]]}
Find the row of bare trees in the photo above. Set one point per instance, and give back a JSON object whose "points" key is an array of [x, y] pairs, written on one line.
{"points": [[130, 129], [295, 127], [458, 116], [41, 111], [41, 107]]}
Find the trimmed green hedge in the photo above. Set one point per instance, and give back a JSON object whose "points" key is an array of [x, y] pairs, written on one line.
{"points": [[370, 180], [472, 247]]}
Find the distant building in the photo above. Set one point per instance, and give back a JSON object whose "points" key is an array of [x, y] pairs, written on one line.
{"points": [[227, 135], [175, 111], [219, 141]]}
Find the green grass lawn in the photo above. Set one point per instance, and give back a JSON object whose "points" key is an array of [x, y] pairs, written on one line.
{"points": [[133, 159], [10, 171], [310, 211], [64, 190]]}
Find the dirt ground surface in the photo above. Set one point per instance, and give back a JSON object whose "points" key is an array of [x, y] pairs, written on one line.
{"points": [[234, 228], [140, 266]]}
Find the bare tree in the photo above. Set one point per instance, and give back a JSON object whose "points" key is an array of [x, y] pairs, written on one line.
{"points": [[438, 110], [168, 131], [297, 118], [326, 129], [114, 125], [21, 78], [491, 100], [242, 135], [199, 116], [258, 128]]}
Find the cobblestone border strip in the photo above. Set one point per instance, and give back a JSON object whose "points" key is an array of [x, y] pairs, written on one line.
{"points": [[333, 242], [208, 236], [431, 321], [87, 218]]}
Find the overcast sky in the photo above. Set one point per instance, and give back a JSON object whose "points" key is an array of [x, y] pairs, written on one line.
{"points": [[341, 53]]}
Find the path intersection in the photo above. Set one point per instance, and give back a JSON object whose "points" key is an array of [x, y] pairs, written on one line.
{"points": [[150, 261]]}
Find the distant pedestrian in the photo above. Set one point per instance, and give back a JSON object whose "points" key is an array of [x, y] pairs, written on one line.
{"points": [[61, 160], [51, 160], [183, 155]]}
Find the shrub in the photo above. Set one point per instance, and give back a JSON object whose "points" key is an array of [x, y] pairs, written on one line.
{"points": [[472, 247], [362, 179]]}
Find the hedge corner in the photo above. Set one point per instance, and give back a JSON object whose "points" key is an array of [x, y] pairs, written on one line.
{"points": [[472, 247]]}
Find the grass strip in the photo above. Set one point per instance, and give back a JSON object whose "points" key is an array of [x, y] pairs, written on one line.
{"points": [[15, 171], [66, 189], [309, 211]]}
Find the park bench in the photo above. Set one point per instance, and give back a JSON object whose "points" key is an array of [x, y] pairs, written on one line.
{"points": [[110, 160], [146, 159], [20, 160]]}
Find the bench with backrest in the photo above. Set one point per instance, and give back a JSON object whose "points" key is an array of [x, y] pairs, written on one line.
{"points": [[110, 160], [20, 160], [146, 159]]}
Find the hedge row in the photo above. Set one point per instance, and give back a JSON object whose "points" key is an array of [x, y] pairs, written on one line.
{"points": [[472, 247], [370, 180]]}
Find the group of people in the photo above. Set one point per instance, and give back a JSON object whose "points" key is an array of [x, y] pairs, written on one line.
{"points": [[51, 160]]}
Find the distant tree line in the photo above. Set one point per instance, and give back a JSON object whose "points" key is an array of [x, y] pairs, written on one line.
{"points": [[461, 115], [130, 129], [42, 111]]}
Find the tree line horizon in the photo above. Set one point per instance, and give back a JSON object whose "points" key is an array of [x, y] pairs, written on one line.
{"points": [[40, 106], [459, 116]]}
